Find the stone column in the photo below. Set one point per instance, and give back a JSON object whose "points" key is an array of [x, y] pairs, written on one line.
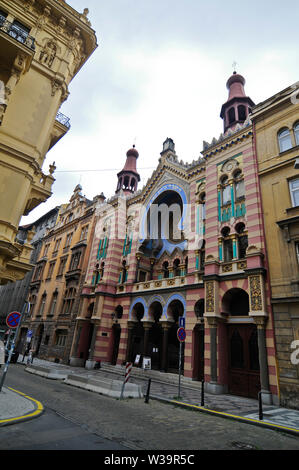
{"points": [[264, 373], [129, 340], [137, 267], [152, 261], [165, 326], [213, 349], [146, 326]]}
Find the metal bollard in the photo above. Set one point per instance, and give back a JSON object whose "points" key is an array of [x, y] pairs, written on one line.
{"points": [[260, 406], [202, 393], [148, 391]]}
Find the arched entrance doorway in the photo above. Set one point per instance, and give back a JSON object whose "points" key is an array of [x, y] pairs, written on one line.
{"points": [[198, 341], [243, 354], [155, 336], [137, 338], [174, 311]]}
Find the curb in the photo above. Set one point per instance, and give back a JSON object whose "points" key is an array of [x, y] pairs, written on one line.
{"points": [[39, 409], [243, 419]]}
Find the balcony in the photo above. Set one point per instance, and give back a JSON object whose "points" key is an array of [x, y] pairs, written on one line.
{"points": [[156, 284], [64, 120], [61, 126], [17, 32]]}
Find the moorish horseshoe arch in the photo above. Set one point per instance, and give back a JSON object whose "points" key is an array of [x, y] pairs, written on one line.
{"points": [[170, 299], [139, 300], [181, 192]]}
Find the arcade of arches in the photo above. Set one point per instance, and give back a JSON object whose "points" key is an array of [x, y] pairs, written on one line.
{"points": [[235, 362]]}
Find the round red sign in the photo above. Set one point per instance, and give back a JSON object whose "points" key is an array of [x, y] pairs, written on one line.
{"points": [[12, 319]]}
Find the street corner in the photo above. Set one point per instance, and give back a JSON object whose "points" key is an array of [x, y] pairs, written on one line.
{"points": [[16, 407]]}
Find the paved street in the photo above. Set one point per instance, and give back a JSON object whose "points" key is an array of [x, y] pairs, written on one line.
{"points": [[126, 423]]}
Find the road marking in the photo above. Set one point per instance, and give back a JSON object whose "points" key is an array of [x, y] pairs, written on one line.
{"points": [[39, 409], [240, 418]]}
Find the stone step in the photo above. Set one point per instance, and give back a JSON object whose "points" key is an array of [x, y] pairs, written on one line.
{"points": [[155, 375]]}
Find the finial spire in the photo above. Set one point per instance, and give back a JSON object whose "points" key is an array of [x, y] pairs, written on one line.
{"points": [[234, 65]]}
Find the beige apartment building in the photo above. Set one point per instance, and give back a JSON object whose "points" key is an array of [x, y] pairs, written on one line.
{"points": [[43, 45], [276, 127]]}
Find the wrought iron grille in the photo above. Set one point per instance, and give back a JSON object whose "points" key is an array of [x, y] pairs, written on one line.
{"points": [[64, 120], [17, 31]]}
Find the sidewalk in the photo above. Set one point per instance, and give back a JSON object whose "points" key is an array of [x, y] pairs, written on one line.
{"points": [[163, 387], [16, 407]]}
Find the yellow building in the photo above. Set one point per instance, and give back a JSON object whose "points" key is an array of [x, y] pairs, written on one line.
{"points": [[58, 278], [43, 45], [276, 126]]}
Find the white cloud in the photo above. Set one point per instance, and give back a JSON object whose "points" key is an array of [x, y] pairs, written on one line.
{"points": [[150, 87]]}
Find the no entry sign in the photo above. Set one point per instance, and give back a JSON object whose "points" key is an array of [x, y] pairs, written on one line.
{"points": [[12, 319], [181, 334]]}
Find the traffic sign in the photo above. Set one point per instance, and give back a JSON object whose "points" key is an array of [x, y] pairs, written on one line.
{"points": [[181, 334], [182, 322], [12, 319]]}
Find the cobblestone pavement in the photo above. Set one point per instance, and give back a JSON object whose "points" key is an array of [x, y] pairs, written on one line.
{"points": [[191, 394]]}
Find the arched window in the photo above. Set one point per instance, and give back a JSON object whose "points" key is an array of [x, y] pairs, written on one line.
{"points": [[165, 269], [123, 272], [202, 256], [284, 140], [231, 115], [239, 184], [227, 244], [242, 240], [199, 308], [242, 112], [202, 201], [176, 269], [296, 132], [226, 190]]}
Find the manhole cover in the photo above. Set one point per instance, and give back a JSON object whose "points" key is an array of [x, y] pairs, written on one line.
{"points": [[243, 445]]}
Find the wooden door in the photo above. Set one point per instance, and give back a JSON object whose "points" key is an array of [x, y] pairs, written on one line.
{"points": [[243, 363]]}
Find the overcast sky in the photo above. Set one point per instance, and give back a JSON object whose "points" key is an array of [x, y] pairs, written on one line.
{"points": [[159, 71]]}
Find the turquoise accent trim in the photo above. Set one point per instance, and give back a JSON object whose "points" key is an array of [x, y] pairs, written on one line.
{"points": [[219, 206], [234, 249], [232, 200], [240, 210], [197, 262], [124, 248], [226, 214], [220, 253], [99, 250]]}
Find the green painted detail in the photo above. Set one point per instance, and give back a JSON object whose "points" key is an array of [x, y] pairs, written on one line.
{"points": [[220, 252], [226, 214], [240, 210], [233, 200], [197, 262], [234, 249], [124, 248], [99, 250], [219, 206]]}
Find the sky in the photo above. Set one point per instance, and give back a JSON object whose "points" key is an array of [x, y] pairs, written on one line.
{"points": [[160, 70]]}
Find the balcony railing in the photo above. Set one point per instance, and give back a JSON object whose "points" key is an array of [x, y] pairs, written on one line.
{"points": [[64, 120], [17, 32]]}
